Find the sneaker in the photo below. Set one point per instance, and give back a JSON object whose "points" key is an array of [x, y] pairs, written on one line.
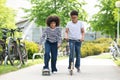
{"points": [[78, 69], [54, 71], [46, 70]]}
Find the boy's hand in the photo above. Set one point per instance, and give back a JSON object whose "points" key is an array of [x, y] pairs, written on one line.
{"points": [[66, 38], [82, 39]]}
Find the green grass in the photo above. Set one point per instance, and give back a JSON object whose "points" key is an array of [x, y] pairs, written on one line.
{"points": [[103, 56], [117, 62], [107, 56], [8, 68]]}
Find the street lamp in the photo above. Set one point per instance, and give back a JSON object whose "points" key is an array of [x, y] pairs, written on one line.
{"points": [[117, 4]]}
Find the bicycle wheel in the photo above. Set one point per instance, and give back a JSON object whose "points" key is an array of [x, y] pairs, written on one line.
{"points": [[116, 56], [1, 52], [14, 54], [23, 53]]}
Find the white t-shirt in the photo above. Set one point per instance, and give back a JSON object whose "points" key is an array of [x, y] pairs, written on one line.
{"points": [[75, 30]]}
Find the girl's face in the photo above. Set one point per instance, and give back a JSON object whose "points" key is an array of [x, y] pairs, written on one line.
{"points": [[53, 25]]}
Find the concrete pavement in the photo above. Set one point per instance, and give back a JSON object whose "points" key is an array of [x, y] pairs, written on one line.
{"points": [[91, 69]]}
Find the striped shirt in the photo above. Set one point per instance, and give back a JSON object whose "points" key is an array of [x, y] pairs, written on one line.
{"points": [[52, 35]]}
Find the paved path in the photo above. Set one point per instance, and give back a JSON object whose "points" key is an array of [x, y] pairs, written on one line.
{"points": [[91, 69]]}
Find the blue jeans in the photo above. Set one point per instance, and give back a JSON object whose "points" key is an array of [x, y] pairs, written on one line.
{"points": [[75, 46], [50, 48]]}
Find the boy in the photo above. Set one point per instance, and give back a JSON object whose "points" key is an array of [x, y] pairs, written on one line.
{"points": [[75, 36]]}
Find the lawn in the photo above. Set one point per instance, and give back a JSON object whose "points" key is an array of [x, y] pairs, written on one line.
{"points": [[117, 62], [107, 56], [103, 56]]}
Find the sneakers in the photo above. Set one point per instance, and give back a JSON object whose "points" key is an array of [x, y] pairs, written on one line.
{"points": [[54, 71], [46, 70], [78, 69]]}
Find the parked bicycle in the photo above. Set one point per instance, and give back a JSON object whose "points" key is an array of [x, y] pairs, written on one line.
{"points": [[16, 49], [3, 45], [115, 50]]}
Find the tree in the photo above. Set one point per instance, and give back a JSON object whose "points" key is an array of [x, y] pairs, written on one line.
{"points": [[7, 19], [6, 16], [105, 20], [41, 9]]}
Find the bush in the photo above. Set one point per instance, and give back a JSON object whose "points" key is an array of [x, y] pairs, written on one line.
{"points": [[31, 48], [103, 40], [89, 49], [95, 47]]}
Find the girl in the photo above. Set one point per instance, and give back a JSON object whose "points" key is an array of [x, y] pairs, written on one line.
{"points": [[52, 37]]}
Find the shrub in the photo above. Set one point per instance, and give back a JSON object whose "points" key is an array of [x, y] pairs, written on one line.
{"points": [[103, 40], [31, 48], [95, 47]]}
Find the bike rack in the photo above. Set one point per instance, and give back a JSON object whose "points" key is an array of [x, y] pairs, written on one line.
{"points": [[37, 54], [6, 59]]}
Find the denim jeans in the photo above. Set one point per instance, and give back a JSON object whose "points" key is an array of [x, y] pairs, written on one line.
{"points": [[75, 50], [50, 48]]}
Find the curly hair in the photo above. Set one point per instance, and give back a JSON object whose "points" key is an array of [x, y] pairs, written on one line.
{"points": [[74, 12], [53, 19]]}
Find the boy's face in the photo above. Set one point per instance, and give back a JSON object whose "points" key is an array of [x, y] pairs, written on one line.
{"points": [[74, 18], [53, 25]]}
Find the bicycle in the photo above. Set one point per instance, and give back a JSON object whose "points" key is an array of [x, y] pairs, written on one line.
{"points": [[115, 50], [3, 46], [16, 50]]}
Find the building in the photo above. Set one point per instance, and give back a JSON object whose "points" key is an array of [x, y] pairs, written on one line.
{"points": [[32, 32]]}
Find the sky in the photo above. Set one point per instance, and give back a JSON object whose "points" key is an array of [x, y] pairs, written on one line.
{"points": [[17, 4], [90, 9]]}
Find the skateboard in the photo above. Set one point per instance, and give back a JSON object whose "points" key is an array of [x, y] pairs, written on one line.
{"points": [[45, 72]]}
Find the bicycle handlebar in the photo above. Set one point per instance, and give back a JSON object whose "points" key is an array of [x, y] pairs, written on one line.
{"points": [[12, 31], [5, 30]]}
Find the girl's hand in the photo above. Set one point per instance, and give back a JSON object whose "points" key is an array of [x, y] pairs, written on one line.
{"points": [[59, 45]]}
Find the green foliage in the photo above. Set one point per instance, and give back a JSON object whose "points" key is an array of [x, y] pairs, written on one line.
{"points": [[6, 15], [106, 19], [7, 19], [117, 62], [32, 48], [95, 47], [103, 40], [89, 49], [41, 9]]}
